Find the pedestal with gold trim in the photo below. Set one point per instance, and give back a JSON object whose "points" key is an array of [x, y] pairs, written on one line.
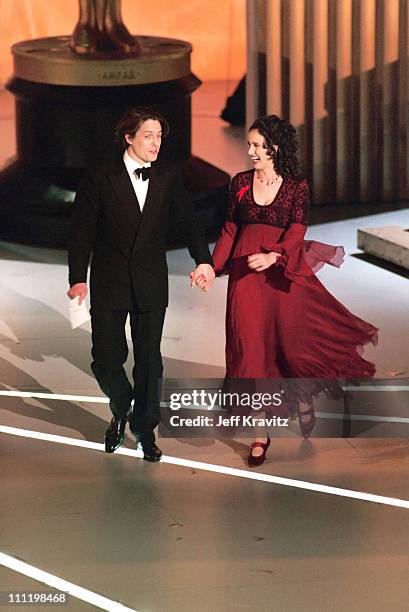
{"points": [[66, 110]]}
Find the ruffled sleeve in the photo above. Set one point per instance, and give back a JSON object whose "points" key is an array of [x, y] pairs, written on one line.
{"points": [[225, 242], [301, 258]]}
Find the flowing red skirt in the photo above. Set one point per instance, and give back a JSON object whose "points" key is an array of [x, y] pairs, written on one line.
{"points": [[283, 323]]}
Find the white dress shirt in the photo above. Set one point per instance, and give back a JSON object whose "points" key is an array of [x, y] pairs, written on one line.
{"points": [[140, 187]]}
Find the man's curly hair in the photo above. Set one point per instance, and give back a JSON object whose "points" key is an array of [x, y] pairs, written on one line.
{"points": [[280, 132], [132, 120]]}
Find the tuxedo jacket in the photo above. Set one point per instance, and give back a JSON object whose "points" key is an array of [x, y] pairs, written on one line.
{"points": [[128, 247]]}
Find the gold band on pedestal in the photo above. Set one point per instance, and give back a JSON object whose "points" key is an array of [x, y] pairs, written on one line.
{"points": [[50, 61]]}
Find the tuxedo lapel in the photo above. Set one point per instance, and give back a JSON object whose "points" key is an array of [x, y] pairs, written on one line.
{"points": [[122, 186], [153, 202]]}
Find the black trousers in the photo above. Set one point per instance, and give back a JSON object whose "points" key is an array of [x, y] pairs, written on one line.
{"points": [[110, 352]]}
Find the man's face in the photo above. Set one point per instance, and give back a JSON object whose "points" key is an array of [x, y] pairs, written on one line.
{"points": [[145, 144]]}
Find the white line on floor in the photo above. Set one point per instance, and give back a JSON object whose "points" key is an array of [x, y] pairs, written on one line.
{"points": [[377, 388], [361, 417], [62, 585], [55, 396], [218, 469]]}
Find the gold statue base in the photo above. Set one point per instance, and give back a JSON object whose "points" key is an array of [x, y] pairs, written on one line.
{"points": [[51, 61], [67, 106]]}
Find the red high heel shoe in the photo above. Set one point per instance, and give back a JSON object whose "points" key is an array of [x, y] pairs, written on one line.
{"points": [[306, 427], [258, 460]]}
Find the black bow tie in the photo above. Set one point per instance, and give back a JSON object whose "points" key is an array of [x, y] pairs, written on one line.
{"points": [[143, 172]]}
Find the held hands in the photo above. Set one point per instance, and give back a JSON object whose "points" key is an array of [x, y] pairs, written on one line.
{"points": [[202, 276], [261, 261], [79, 290]]}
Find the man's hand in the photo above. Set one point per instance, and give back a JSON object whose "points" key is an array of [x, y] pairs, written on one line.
{"points": [[79, 290], [262, 261], [202, 276]]}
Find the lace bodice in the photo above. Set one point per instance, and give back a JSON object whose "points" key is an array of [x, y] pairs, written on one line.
{"points": [[291, 204]]}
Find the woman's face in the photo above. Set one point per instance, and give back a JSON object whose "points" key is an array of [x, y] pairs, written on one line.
{"points": [[257, 151]]}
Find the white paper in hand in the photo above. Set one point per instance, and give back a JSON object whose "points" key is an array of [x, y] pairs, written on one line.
{"points": [[78, 312]]}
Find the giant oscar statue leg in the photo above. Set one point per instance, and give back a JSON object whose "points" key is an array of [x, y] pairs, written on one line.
{"points": [[100, 28], [69, 94]]}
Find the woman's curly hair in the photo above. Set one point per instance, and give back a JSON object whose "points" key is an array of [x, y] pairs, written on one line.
{"points": [[280, 132]]}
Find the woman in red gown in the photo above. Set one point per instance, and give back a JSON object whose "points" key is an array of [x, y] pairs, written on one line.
{"points": [[281, 322]]}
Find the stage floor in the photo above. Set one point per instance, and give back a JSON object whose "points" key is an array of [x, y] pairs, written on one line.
{"points": [[199, 531]]}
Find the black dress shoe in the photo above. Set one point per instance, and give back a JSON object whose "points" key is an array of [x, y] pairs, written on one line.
{"points": [[151, 452], [115, 434]]}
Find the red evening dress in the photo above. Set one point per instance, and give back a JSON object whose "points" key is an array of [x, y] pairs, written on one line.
{"points": [[283, 323]]}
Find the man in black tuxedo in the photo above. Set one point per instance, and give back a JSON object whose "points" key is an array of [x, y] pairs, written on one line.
{"points": [[121, 215]]}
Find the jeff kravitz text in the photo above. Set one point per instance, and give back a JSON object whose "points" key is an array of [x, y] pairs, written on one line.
{"points": [[230, 421]]}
